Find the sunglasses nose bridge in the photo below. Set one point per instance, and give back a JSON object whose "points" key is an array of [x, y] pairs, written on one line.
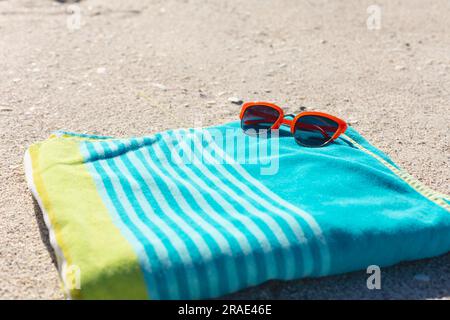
{"points": [[284, 121]]}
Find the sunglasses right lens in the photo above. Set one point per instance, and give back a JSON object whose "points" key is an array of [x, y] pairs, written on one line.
{"points": [[314, 131], [259, 118]]}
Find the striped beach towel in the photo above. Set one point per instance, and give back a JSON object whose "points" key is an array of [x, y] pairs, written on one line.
{"points": [[199, 213]]}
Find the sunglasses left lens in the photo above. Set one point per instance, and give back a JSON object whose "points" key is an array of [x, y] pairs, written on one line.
{"points": [[258, 118]]}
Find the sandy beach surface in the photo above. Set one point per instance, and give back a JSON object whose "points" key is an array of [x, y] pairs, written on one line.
{"points": [[125, 68]]}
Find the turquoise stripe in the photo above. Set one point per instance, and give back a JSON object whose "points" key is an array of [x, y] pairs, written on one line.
{"points": [[212, 268], [228, 264], [274, 259], [129, 230], [240, 174], [205, 278], [308, 254], [304, 253], [167, 229], [232, 234], [290, 261], [258, 251], [299, 254], [181, 288]]}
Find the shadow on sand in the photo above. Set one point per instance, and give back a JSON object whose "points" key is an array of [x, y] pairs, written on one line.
{"points": [[43, 231]]}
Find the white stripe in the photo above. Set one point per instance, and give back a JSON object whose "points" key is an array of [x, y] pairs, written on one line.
{"points": [[160, 249], [268, 220], [273, 196], [173, 237]]}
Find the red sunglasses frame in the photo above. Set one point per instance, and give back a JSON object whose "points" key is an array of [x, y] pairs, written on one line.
{"points": [[342, 125]]}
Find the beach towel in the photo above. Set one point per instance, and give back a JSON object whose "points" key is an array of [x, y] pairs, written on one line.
{"points": [[203, 212]]}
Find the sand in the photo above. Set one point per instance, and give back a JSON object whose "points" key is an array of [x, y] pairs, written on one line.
{"points": [[137, 67]]}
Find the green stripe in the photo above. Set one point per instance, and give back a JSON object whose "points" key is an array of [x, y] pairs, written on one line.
{"points": [[109, 267]]}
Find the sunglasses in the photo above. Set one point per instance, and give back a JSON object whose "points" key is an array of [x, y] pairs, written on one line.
{"points": [[310, 129]]}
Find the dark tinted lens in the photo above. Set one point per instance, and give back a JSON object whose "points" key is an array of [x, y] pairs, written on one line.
{"points": [[314, 131], [259, 118]]}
